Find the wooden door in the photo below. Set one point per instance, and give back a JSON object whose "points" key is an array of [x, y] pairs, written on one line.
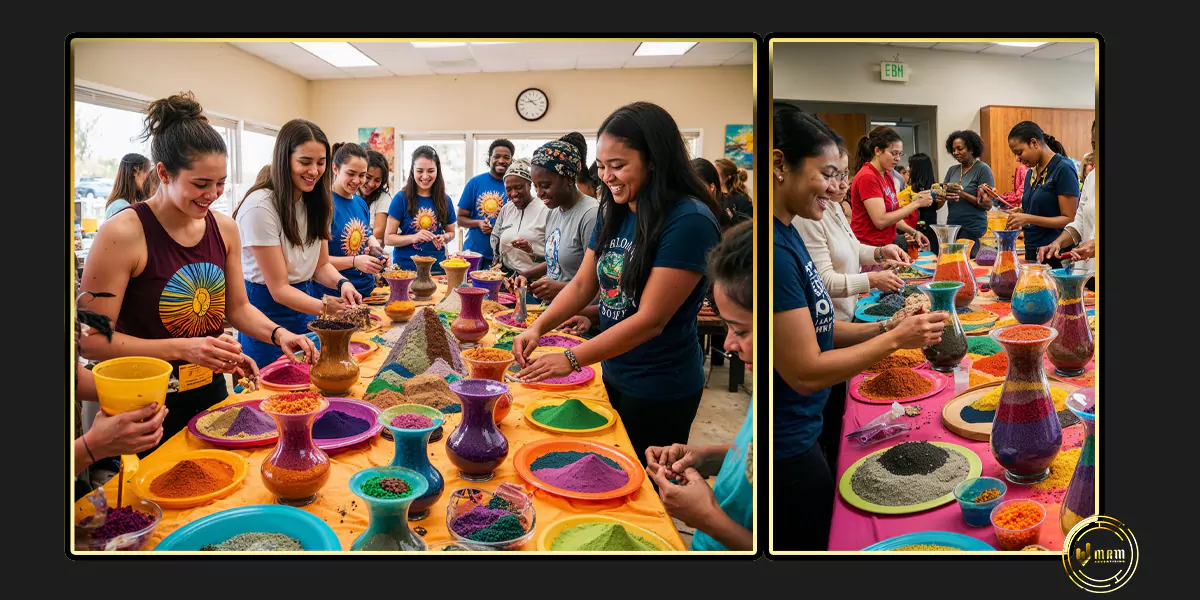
{"points": [[849, 126]]}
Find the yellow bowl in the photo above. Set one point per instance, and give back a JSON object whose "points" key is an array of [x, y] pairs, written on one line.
{"points": [[130, 383], [147, 476], [550, 533]]}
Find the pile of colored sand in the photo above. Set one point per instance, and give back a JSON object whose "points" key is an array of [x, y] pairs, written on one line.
{"points": [[189, 478], [893, 299], [289, 374], [255, 541], [388, 488], [588, 474], [505, 528], [250, 423], [217, 422], [913, 458], [120, 521], [881, 485], [982, 344], [571, 414], [485, 524], [881, 310], [554, 460], [424, 340], [601, 537], [412, 421], [386, 398], [557, 341], [335, 424]]}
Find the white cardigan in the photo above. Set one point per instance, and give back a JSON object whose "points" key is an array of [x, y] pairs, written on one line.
{"points": [[838, 256], [1083, 228]]}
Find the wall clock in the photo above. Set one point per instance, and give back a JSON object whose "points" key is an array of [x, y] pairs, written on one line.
{"points": [[532, 104]]}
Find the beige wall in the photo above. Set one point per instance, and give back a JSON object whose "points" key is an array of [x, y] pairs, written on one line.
{"points": [[698, 98], [225, 80]]}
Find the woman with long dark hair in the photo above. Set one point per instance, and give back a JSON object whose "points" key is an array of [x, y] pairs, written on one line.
{"points": [[421, 217], [877, 212], [375, 192], [285, 224], [1051, 189], [656, 224], [130, 184], [173, 269], [736, 198], [804, 174], [353, 248], [712, 180], [967, 206], [921, 178]]}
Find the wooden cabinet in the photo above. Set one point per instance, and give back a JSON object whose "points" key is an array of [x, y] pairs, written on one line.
{"points": [[848, 125], [1072, 127]]}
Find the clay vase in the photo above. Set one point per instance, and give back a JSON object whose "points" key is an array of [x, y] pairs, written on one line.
{"points": [[424, 286], [336, 370], [469, 326]]}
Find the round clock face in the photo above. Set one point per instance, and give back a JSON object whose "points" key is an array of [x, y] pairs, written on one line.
{"points": [[532, 104]]}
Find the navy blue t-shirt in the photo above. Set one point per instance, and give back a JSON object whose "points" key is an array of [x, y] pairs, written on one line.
{"points": [[426, 218], [797, 284], [1041, 199], [351, 228], [671, 365], [483, 197]]}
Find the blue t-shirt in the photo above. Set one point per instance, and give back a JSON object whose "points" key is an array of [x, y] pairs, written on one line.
{"points": [[797, 284], [483, 196], [426, 218], [671, 365], [351, 228], [1041, 199], [734, 487]]}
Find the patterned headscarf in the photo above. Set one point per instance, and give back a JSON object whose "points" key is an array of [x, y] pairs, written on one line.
{"points": [[520, 168], [559, 156]]}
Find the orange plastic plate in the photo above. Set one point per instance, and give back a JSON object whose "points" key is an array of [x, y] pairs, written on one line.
{"points": [[532, 451]]}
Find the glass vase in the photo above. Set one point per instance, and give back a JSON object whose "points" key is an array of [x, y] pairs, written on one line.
{"points": [[388, 529], [1034, 299], [493, 370], [412, 452], [954, 266], [336, 370], [477, 447], [297, 469], [945, 355], [1026, 434], [1004, 272], [469, 326], [1071, 351], [424, 286], [1080, 501]]}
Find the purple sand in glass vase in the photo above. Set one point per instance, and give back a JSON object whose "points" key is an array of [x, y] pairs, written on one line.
{"points": [[1003, 279], [1071, 351], [477, 447], [1026, 433], [1080, 501]]}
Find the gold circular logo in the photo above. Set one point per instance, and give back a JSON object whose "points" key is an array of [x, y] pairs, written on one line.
{"points": [[1100, 554], [200, 302]]}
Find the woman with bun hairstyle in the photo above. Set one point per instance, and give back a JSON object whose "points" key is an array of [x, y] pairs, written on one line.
{"points": [[285, 223], [353, 248], [1051, 189], [873, 195], [736, 198], [174, 271], [131, 184]]}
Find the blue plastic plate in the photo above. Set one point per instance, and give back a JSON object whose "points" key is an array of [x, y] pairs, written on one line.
{"points": [[872, 298], [306, 528], [937, 538], [862, 316]]}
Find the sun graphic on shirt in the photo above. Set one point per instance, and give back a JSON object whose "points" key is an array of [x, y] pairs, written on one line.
{"points": [[426, 219], [354, 237], [489, 204], [192, 303]]}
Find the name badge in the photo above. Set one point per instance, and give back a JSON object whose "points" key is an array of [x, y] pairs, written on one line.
{"points": [[194, 376]]}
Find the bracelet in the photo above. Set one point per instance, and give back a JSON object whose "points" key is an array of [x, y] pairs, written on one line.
{"points": [[883, 327], [574, 363], [89, 450], [273, 332], [340, 283]]}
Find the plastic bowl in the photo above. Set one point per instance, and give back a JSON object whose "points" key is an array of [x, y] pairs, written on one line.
{"points": [[130, 383], [129, 541], [464, 499], [1016, 539], [303, 526], [978, 514]]}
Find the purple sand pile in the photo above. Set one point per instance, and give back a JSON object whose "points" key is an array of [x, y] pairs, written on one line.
{"points": [[475, 519], [588, 474], [120, 521], [336, 424], [252, 422]]}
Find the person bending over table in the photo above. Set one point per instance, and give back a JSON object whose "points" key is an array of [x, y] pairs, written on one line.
{"points": [[647, 253], [877, 212], [735, 198], [723, 516], [286, 224], [967, 207], [353, 248], [482, 199], [519, 235], [174, 272], [416, 225], [805, 165], [1051, 189]]}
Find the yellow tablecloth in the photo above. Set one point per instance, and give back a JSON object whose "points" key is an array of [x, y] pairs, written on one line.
{"points": [[643, 508]]}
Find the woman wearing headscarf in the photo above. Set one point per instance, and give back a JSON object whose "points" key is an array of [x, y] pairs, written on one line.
{"points": [[519, 235]]}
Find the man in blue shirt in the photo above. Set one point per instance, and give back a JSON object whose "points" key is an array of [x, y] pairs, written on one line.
{"points": [[482, 199]]}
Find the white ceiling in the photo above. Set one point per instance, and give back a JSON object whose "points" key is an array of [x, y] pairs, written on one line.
{"points": [[1072, 51], [401, 58]]}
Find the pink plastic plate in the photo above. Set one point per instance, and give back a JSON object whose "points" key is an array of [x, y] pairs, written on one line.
{"points": [[265, 373], [226, 443], [354, 408], [939, 383], [506, 298]]}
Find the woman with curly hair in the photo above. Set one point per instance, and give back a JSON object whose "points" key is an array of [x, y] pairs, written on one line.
{"points": [[967, 206]]}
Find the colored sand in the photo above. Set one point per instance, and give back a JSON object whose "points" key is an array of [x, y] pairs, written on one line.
{"points": [[217, 422], [250, 423], [336, 424], [440, 368], [190, 478], [988, 494], [874, 483], [995, 365], [386, 399], [504, 529], [475, 519], [387, 488], [247, 542], [510, 321], [926, 548], [357, 348], [894, 384], [573, 378], [1061, 471], [881, 310], [589, 474], [294, 404], [289, 374], [429, 390], [978, 344], [554, 460], [557, 341], [424, 340], [892, 299], [1024, 333], [1033, 305], [412, 421], [601, 537], [571, 414], [913, 458], [903, 358], [120, 521]]}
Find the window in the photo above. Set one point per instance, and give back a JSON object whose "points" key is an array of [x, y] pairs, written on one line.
{"points": [[525, 145], [102, 136], [258, 150], [452, 153]]}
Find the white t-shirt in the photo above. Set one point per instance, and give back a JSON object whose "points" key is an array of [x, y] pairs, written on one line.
{"points": [[513, 223], [380, 206], [259, 225]]}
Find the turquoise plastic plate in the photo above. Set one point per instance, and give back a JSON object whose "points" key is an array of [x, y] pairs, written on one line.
{"points": [[303, 526], [937, 538], [861, 315]]}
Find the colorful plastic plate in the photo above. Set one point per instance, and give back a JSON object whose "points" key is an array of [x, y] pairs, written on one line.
{"points": [[603, 410], [551, 533], [146, 476], [534, 450], [194, 429], [564, 335], [860, 313], [932, 538], [363, 354], [495, 318], [303, 526], [506, 298], [551, 384], [975, 468], [939, 383], [355, 408], [268, 370]]}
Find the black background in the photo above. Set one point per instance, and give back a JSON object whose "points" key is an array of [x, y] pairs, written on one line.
{"points": [[1147, 307]]}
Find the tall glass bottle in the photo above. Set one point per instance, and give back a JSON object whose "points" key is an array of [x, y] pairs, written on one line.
{"points": [[1071, 351], [1004, 272], [1026, 434], [945, 355]]}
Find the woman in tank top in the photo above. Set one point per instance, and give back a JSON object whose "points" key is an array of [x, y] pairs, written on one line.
{"points": [[168, 262]]}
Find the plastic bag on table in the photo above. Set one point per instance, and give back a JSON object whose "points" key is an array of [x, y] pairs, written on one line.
{"points": [[883, 427]]}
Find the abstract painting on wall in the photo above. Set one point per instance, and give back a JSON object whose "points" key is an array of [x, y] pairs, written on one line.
{"points": [[383, 141], [739, 145]]}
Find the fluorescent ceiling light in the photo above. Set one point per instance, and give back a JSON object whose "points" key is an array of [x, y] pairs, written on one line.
{"points": [[437, 44], [338, 54], [1022, 44], [663, 48], [888, 123], [489, 43]]}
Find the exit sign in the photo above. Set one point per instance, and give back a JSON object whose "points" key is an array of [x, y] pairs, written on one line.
{"points": [[892, 71]]}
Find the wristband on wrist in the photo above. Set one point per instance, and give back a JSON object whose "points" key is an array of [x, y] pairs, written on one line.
{"points": [[883, 327], [89, 450], [574, 363], [341, 282], [273, 332]]}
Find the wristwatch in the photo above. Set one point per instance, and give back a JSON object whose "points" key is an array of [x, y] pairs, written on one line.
{"points": [[883, 326], [342, 282]]}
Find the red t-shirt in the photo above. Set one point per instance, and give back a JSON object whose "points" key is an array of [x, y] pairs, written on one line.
{"points": [[870, 183]]}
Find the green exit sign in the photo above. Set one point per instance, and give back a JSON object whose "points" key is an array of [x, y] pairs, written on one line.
{"points": [[892, 71]]}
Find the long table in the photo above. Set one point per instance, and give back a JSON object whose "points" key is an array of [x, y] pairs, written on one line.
{"points": [[348, 515], [854, 529]]}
